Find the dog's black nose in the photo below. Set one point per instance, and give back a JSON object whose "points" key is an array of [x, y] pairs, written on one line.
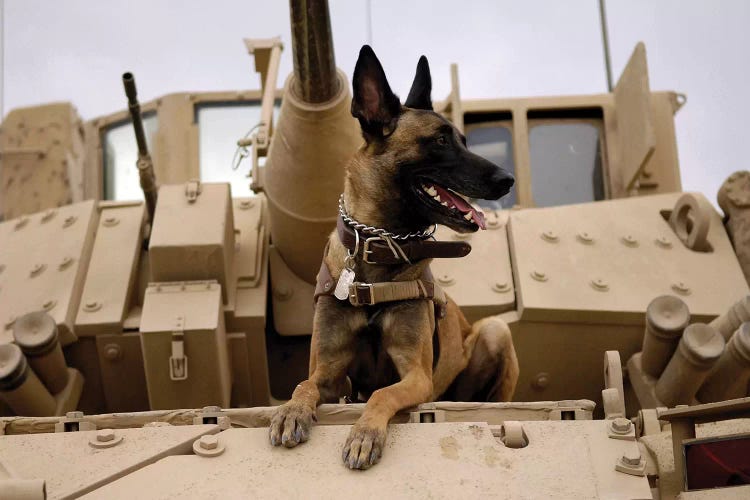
{"points": [[501, 182]]}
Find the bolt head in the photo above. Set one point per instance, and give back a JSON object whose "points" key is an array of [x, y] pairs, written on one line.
{"points": [[621, 425], [446, 279], [629, 241], [538, 275], [632, 457], [681, 288], [110, 221], [550, 236], [105, 435], [91, 306], [112, 352], [209, 442], [541, 381]]}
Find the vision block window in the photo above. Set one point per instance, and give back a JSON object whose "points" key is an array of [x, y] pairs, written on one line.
{"points": [[495, 143], [121, 181], [566, 161], [220, 126]]}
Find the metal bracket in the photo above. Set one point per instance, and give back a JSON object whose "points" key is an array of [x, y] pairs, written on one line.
{"points": [[213, 415], [192, 190], [613, 394], [267, 53], [426, 416], [178, 362], [73, 422]]}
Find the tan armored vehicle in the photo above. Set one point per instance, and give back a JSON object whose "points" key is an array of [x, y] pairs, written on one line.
{"points": [[145, 335]]}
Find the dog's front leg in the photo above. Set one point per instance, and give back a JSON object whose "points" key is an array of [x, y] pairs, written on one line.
{"points": [[332, 349], [407, 338]]}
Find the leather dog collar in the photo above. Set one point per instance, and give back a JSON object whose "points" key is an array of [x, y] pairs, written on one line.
{"points": [[376, 250]]}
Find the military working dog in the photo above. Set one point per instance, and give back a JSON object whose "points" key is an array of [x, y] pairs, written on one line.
{"points": [[413, 171]]}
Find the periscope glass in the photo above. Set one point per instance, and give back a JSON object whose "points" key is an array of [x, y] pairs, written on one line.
{"points": [[566, 164]]}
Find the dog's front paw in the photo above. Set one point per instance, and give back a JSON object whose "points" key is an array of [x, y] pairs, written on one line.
{"points": [[363, 447], [290, 424]]}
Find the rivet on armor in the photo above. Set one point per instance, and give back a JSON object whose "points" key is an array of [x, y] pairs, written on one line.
{"points": [[663, 242], [246, 204], [48, 215], [541, 380], [65, 263], [22, 221], [327, 285], [538, 275], [37, 270], [110, 222], [550, 236], [599, 285], [112, 352], [585, 238], [501, 287], [446, 279], [69, 220], [681, 288], [49, 305], [629, 241], [92, 306]]}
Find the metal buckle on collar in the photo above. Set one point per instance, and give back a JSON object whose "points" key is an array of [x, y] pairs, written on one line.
{"points": [[354, 296], [366, 249]]}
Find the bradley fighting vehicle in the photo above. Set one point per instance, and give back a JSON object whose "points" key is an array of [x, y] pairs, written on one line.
{"points": [[144, 343]]}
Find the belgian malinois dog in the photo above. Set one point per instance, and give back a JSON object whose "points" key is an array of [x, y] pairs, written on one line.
{"points": [[413, 171]]}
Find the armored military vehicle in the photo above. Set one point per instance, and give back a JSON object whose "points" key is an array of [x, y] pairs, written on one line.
{"points": [[145, 335]]}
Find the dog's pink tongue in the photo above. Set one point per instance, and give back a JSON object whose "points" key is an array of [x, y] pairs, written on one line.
{"points": [[476, 215]]}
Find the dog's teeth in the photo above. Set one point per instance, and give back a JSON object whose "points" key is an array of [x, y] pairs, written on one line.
{"points": [[468, 216], [437, 197], [445, 203], [431, 191], [453, 207]]}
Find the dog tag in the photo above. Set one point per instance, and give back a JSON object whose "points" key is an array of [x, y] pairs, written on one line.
{"points": [[342, 287]]}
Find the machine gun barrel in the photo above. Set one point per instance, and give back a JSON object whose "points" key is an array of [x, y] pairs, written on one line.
{"points": [[144, 164], [312, 46]]}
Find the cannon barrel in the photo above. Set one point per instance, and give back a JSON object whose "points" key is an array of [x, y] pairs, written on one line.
{"points": [[313, 140], [312, 50], [144, 163]]}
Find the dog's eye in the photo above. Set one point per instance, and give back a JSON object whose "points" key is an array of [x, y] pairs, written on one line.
{"points": [[441, 140]]}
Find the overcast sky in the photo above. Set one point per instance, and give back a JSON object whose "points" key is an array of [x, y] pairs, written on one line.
{"points": [[76, 50]]}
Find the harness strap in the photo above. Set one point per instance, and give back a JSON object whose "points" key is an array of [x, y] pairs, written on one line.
{"points": [[369, 294]]}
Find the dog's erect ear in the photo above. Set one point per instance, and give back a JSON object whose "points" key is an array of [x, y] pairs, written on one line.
{"points": [[376, 107], [419, 95]]}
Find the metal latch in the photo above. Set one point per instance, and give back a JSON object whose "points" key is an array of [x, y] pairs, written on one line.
{"points": [[192, 190], [178, 362]]}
